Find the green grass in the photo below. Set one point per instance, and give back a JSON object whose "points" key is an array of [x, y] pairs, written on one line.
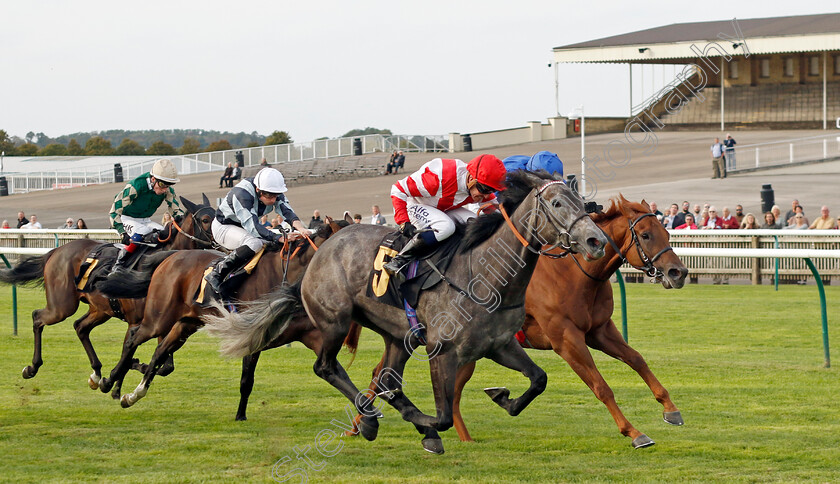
{"points": [[744, 364]]}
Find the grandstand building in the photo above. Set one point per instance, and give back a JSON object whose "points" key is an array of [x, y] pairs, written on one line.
{"points": [[781, 72]]}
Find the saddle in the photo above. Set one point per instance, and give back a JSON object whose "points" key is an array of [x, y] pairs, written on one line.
{"points": [[99, 261], [422, 274]]}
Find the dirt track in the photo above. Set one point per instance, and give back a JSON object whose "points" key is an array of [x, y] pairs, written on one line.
{"points": [[679, 168]]}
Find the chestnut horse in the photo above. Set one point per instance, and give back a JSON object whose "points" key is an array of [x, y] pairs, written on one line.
{"points": [[172, 315], [569, 306], [57, 269]]}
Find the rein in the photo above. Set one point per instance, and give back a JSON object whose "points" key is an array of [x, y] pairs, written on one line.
{"points": [[200, 242]]}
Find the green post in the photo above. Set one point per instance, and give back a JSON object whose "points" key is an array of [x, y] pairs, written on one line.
{"points": [[14, 299], [623, 304], [822, 308], [776, 245]]}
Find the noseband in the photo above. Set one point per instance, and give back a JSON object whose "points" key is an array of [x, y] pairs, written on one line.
{"points": [[205, 238]]}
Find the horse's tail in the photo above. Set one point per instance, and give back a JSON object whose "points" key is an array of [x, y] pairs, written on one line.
{"points": [[133, 284], [352, 341], [262, 321], [28, 272]]}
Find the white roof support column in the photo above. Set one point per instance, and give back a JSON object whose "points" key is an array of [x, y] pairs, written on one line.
{"points": [[722, 80], [631, 89], [825, 98]]}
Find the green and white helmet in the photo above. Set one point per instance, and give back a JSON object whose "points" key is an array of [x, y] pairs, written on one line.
{"points": [[165, 171]]}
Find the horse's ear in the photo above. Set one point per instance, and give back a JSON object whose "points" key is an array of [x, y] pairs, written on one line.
{"points": [[530, 178], [191, 207], [623, 205], [206, 201], [333, 226], [645, 205], [348, 218]]}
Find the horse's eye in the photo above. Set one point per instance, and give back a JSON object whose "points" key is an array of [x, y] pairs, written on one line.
{"points": [[555, 203], [645, 236]]}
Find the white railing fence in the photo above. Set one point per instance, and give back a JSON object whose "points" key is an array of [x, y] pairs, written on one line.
{"points": [[785, 152]]}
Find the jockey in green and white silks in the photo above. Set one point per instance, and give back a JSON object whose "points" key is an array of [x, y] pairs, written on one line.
{"points": [[137, 202], [237, 226]]}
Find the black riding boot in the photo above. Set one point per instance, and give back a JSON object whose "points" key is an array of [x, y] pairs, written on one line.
{"points": [[406, 255], [231, 262], [120, 262]]}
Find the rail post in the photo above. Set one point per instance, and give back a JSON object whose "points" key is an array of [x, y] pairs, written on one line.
{"points": [[822, 310], [620, 279], [14, 298], [756, 264], [776, 246]]}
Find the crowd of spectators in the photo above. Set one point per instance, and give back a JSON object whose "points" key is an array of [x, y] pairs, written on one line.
{"points": [[708, 217], [32, 222]]}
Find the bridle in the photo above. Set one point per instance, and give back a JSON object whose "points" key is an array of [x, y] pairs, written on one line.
{"points": [[205, 238], [648, 268], [565, 232]]}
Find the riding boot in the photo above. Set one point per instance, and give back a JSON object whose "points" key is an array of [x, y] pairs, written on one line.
{"points": [[407, 254], [122, 256], [231, 262]]}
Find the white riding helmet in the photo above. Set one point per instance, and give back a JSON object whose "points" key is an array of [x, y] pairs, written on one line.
{"points": [[270, 180], [165, 171]]}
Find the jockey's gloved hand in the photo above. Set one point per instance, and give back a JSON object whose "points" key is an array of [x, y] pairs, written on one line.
{"points": [[408, 230], [125, 238], [178, 218]]}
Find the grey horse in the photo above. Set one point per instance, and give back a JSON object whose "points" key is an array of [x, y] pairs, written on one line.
{"points": [[473, 314]]}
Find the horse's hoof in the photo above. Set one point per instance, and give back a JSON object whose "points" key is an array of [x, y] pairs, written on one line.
{"points": [[434, 446], [125, 401], [369, 428], [93, 384], [642, 441], [105, 385], [500, 395], [116, 393], [351, 433], [28, 372], [240, 418], [673, 418]]}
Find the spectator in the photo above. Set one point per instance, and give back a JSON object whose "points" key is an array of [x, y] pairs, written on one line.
{"points": [[704, 217], [264, 163], [777, 213], [718, 170], [824, 221], [264, 221], [5, 225], [400, 162], [655, 211], [697, 212], [357, 218], [68, 224], [798, 223], [316, 221], [165, 219], [799, 209], [749, 222], [22, 220], [81, 225], [668, 220], [275, 222], [33, 223], [377, 218], [227, 176], [680, 217], [689, 223], [390, 167], [769, 221], [790, 213], [713, 221], [728, 221], [739, 214], [236, 174], [729, 143]]}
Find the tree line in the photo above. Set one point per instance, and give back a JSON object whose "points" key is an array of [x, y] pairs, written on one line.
{"points": [[147, 142]]}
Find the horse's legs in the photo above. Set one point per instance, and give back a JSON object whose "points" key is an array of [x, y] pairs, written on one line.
{"points": [[171, 343], [372, 387], [461, 378], [606, 338], [60, 306], [165, 369], [246, 383], [514, 357], [573, 349], [134, 337], [83, 327]]}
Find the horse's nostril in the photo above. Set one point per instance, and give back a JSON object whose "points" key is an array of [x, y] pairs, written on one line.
{"points": [[593, 242], [674, 274]]}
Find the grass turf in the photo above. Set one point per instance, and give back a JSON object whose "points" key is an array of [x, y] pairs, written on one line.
{"points": [[743, 363]]}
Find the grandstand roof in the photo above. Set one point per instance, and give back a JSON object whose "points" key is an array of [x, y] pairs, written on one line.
{"points": [[802, 33]]}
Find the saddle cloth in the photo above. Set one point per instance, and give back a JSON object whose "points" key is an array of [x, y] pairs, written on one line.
{"points": [[393, 292]]}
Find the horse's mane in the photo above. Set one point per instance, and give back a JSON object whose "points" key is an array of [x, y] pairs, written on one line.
{"points": [[615, 209], [519, 185]]}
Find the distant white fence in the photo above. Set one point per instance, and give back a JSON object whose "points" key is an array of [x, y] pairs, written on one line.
{"points": [[80, 177], [779, 153]]}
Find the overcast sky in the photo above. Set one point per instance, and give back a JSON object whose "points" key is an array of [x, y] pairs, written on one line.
{"points": [[318, 68]]}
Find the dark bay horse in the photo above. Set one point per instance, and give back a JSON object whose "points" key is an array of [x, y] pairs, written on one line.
{"points": [[569, 306], [172, 315], [57, 269], [461, 325]]}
